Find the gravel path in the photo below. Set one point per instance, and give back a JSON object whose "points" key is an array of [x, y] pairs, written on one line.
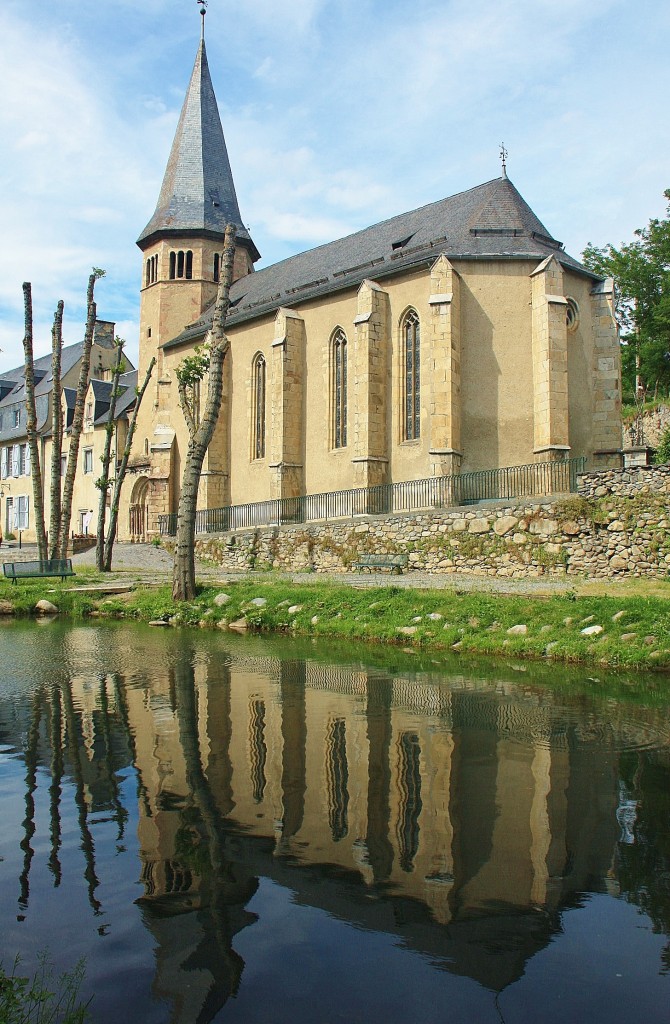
{"points": [[144, 563]]}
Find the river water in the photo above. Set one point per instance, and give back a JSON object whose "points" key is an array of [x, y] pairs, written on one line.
{"points": [[247, 830]]}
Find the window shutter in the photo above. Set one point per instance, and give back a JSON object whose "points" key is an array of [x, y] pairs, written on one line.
{"points": [[3, 464]]}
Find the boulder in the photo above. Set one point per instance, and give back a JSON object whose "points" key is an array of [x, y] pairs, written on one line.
{"points": [[222, 599], [45, 607], [505, 525], [479, 526]]}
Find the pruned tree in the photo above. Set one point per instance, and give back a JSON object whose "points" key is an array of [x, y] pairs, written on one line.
{"points": [[59, 544], [55, 546], [207, 362], [103, 481], [105, 544], [56, 423], [31, 421]]}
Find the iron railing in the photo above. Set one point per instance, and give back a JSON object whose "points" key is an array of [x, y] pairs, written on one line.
{"points": [[512, 482]]}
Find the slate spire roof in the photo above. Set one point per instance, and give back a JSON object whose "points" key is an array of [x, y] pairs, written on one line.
{"points": [[198, 192]]}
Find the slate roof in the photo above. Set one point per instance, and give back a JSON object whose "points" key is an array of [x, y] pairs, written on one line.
{"points": [[198, 192], [15, 398], [125, 402], [490, 221]]}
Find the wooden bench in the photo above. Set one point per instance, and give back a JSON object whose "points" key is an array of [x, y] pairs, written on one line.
{"points": [[32, 570], [370, 562]]}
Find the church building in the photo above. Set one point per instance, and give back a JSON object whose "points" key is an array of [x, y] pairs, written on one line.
{"points": [[453, 338]]}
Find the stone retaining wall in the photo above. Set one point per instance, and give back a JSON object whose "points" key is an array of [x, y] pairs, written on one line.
{"points": [[601, 536], [626, 482]]}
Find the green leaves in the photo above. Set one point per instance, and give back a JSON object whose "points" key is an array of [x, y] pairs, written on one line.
{"points": [[641, 271], [193, 368]]}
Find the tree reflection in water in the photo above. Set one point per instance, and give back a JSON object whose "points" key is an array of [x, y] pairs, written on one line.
{"points": [[475, 822]]}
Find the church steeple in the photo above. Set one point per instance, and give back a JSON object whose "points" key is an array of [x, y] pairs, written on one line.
{"points": [[197, 198]]}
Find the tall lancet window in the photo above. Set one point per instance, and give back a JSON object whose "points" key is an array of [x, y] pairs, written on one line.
{"points": [[259, 373], [339, 387], [411, 342]]}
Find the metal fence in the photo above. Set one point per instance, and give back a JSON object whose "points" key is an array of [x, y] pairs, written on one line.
{"points": [[534, 480]]}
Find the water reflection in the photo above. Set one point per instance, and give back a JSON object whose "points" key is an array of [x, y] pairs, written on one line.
{"points": [[473, 812]]}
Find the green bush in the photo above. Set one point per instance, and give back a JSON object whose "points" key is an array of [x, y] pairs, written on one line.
{"points": [[663, 450]]}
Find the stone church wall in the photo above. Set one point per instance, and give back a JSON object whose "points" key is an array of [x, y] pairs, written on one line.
{"points": [[619, 525]]}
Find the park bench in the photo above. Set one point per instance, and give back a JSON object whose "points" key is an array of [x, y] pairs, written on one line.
{"points": [[32, 570], [370, 562]]}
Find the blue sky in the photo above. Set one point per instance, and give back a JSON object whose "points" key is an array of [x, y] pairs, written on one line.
{"points": [[337, 114]]}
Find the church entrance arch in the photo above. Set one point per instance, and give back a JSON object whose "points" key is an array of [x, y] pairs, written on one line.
{"points": [[137, 525]]}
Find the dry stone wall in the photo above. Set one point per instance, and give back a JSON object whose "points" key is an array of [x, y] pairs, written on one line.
{"points": [[619, 526]]}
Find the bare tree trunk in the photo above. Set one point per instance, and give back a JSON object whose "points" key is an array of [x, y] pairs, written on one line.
{"points": [[78, 420], [31, 422], [200, 435], [56, 428], [104, 483], [121, 473]]}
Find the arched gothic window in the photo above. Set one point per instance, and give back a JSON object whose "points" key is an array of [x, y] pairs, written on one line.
{"points": [[411, 346], [258, 393], [339, 388]]}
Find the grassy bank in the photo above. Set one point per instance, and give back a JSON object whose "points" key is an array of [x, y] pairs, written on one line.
{"points": [[626, 630]]}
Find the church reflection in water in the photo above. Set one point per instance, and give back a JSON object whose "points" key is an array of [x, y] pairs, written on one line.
{"points": [[473, 811]]}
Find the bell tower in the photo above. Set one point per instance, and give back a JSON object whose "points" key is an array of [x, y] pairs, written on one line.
{"points": [[183, 241]]}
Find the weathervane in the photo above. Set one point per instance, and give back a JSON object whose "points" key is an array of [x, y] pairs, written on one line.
{"points": [[203, 11], [503, 156]]}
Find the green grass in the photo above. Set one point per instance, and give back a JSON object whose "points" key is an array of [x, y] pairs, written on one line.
{"points": [[42, 999], [477, 623]]}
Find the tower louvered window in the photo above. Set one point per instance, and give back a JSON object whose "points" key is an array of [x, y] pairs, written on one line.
{"points": [[339, 388], [411, 336], [181, 264]]}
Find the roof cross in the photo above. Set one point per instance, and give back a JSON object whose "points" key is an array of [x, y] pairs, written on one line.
{"points": [[503, 157]]}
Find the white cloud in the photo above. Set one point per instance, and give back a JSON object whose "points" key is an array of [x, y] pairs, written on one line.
{"points": [[336, 115]]}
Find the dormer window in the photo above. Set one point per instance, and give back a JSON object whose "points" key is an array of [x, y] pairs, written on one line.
{"points": [[17, 417]]}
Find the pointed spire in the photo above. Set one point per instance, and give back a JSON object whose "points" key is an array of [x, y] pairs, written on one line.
{"points": [[198, 192]]}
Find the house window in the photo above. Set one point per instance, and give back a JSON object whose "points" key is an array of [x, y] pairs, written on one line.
{"points": [[217, 266], [63, 465], [88, 460], [89, 414], [411, 338], [24, 460], [21, 516], [339, 388], [258, 392], [17, 417]]}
